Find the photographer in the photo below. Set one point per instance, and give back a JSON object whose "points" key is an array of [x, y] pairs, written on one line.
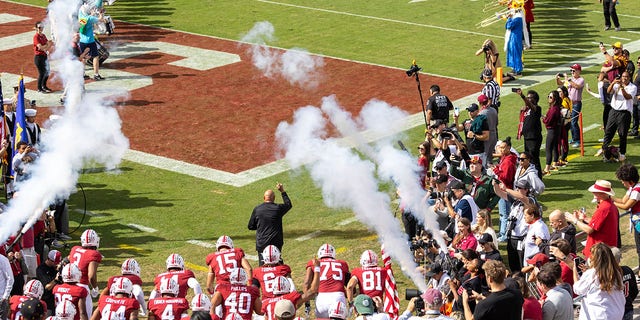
{"points": [[438, 106], [476, 131], [432, 301], [435, 198], [48, 273], [465, 207]]}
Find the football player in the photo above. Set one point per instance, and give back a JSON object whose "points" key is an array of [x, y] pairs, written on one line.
{"points": [[183, 277], [334, 275], [32, 289], [264, 277], [199, 303], [72, 291], [236, 296], [369, 277], [87, 258], [65, 310], [221, 262], [169, 306], [120, 302], [283, 291], [130, 269]]}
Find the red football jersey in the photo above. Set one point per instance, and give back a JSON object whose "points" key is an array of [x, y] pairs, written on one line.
{"points": [[15, 304], [371, 280], [269, 305], [168, 308], [266, 275], [72, 293], [222, 263], [81, 257], [180, 276], [123, 307], [332, 274], [238, 299]]}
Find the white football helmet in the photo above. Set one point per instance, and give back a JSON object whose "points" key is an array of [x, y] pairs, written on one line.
{"points": [[224, 241], [369, 259], [71, 273], [281, 285], [326, 251], [33, 289], [169, 286], [200, 302], [233, 316], [90, 238], [122, 285], [338, 310], [130, 266], [175, 261], [65, 310], [271, 255], [238, 276]]}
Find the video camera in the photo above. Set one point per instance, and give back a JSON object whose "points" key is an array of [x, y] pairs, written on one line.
{"points": [[413, 70], [413, 293]]}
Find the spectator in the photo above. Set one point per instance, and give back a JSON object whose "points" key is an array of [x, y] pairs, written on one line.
{"points": [[502, 303], [561, 250], [48, 274], [476, 131], [438, 106], [366, 308], [438, 279], [527, 172], [285, 310], [623, 93], [558, 304], [479, 182], [465, 207], [435, 198], [32, 309], [488, 251], [603, 225], [565, 126], [609, 9], [556, 269], [629, 283], [266, 219], [636, 106], [41, 47], [601, 285], [529, 18], [574, 84], [531, 308], [628, 175], [87, 39], [484, 225], [615, 64], [423, 162], [530, 127], [552, 121], [537, 230], [561, 230], [471, 282], [505, 171], [492, 120], [432, 302]]}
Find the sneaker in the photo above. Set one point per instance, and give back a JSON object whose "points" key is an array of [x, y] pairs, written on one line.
{"points": [[607, 28], [601, 140], [63, 236], [599, 153], [617, 28], [621, 158], [502, 239], [576, 144], [97, 77], [57, 244]]}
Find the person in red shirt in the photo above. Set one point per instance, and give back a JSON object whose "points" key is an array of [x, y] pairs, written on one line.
{"points": [[168, 306], [121, 302], [237, 297], [176, 271], [264, 277], [603, 225], [130, 269], [72, 291], [334, 275], [88, 258], [32, 289], [370, 278], [225, 259], [283, 290], [41, 46]]}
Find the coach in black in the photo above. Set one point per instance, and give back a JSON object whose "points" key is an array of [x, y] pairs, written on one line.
{"points": [[266, 219]]}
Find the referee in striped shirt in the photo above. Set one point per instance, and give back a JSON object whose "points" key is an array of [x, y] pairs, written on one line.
{"points": [[491, 89]]}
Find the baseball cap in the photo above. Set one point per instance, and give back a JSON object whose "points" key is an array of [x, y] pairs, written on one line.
{"points": [[538, 259], [364, 304], [473, 107], [55, 256], [485, 238], [440, 165], [576, 67], [432, 297], [617, 44], [522, 184], [476, 159], [434, 269], [31, 308], [482, 99], [456, 184], [285, 309], [437, 123]]}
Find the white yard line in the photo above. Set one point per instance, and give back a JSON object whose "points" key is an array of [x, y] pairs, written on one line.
{"points": [[141, 228], [202, 243], [309, 236], [89, 213]]}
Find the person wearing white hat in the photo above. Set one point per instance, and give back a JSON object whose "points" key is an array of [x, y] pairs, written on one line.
{"points": [[33, 129], [603, 224]]}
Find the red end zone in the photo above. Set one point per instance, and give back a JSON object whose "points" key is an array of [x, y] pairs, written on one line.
{"points": [[225, 117]]}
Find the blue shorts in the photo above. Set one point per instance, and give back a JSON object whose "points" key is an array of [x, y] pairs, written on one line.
{"points": [[93, 48]]}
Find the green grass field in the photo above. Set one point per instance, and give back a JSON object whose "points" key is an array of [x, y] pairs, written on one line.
{"points": [[441, 35]]}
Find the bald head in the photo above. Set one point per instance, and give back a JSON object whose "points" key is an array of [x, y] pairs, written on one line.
{"points": [[269, 196], [557, 214], [557, 220]]}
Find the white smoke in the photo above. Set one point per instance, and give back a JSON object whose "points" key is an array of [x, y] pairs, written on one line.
{"points": [[345, 178], [295, 65], [87, 132]]}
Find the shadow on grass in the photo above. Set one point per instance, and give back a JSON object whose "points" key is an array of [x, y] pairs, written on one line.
{"points": [[148, 12], [101, 199]]}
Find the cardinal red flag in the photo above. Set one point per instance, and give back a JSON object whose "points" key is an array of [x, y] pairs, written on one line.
{"points": [[391, 298]]}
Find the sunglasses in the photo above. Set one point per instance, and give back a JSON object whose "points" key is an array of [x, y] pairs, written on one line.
{"points": [[421, 148], [522, 159], [550, 97], [572, 71]]}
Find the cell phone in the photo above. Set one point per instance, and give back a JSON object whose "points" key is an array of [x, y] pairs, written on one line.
{"points": [[577, 261], [515, 89]]}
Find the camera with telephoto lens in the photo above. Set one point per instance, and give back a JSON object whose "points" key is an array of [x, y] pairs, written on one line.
{"points": [[413, 293], [413, 70], [486, 48]]}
